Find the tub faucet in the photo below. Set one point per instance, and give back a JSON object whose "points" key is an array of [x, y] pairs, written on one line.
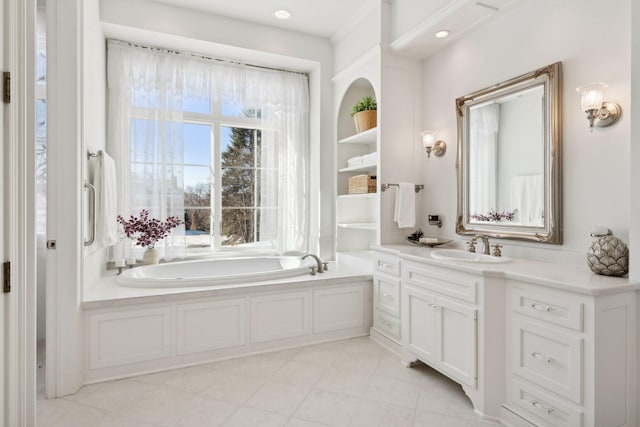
{"points": [[485, 242], [320, 267]]}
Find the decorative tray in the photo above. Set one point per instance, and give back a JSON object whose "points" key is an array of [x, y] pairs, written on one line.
{"points": [[430, 244]]}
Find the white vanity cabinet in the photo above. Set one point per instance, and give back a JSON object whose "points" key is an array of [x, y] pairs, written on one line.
{"points": [[571, 357], [439, 320], [386, 300]]}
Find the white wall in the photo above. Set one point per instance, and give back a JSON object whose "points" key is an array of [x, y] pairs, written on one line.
{"points": [[173, 27], [534, 34], [634, 160]]}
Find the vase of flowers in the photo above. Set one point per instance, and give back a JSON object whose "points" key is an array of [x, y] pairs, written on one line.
{"points": [[146, 232]]}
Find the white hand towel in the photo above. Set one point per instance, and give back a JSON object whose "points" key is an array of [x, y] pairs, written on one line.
{"points": [[405, 212], [106, 209]]}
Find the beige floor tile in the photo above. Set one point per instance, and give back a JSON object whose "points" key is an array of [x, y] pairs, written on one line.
{"points": [[157, 405], [394, 392], [65, 413], [294, 422], [115, 420], [446, 400], [429, 419], [278, 397], [328, 408], [345, 382], [361, 364], [111, 395], [258, 366], [251, 417], [233, 388], [299, 373], [199, 412], [382, 415], [322, 355]]}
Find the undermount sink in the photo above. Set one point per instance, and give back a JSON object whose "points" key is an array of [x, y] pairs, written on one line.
{"points": [[464, 256]]}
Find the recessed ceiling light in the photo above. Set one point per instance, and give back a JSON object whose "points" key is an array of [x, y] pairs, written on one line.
{"points": [[442, 34], [282, 14]]}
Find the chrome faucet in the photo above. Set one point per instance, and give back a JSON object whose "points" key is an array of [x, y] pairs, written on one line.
{"points": [[485, 242], [320, 265]]}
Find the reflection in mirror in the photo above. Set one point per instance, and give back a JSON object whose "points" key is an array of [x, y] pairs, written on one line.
{"points": [[508, 159]]}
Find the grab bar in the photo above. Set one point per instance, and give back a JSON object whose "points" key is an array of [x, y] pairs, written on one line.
{"points": [[92, 217]]}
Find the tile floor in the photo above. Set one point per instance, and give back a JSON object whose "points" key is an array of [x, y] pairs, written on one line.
{"points": [[353, 382]]}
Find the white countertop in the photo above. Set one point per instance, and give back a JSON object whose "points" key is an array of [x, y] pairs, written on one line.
{"points": [[565, 276], [107, 293]]}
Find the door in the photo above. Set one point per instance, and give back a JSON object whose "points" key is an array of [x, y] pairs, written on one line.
{"points": [[456, 340], [420, 322], [17, 308]]}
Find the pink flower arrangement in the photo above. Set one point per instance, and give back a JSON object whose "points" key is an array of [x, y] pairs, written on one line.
{"points": [[145, 231]]}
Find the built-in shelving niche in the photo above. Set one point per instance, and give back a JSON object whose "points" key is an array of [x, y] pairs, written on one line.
{"points": [[356, 214]]}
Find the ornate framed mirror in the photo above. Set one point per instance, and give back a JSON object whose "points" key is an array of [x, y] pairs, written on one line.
{"points": [[509, 159]]}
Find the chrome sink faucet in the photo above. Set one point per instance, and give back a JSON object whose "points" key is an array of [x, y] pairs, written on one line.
{"points": [[485, 242], [320, 265]]}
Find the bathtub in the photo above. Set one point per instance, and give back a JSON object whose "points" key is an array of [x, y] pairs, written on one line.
{"points": [[214, 272]]}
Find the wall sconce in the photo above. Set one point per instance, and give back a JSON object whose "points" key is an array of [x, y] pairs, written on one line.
{"points": [[599, 113], [431, 144]]}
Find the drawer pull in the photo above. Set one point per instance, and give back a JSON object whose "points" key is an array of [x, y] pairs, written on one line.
{"points": [[386, 295], [541, 357], [435, 307], [541, 307], [540, 407], [386, 266]]}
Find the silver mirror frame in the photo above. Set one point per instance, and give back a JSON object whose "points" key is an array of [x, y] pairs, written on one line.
{"points": [[551, 232]]}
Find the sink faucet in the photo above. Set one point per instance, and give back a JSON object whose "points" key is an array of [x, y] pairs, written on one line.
{"points": [[485, 242], [320, 264]]}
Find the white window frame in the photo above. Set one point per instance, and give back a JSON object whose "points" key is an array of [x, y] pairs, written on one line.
{"points": [[216, 120]]}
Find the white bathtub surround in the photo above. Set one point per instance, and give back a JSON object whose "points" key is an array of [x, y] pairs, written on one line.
{"points": [[531, 343], [233, 393], [131, 331]]}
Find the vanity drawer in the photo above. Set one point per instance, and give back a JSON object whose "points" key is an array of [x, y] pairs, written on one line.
{"points": [[543, 408], [453, 283], [387, 325], [547, 357], [387, 264], [387, 294], [550, 308]]}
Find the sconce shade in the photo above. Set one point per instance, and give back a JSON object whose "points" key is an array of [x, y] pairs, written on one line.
{"points": [[428, 138], [431, 144], [591, 96]]}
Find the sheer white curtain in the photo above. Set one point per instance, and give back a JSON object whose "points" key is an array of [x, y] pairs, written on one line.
{"points": [[483, 150], [281, 100], [149, 149]]}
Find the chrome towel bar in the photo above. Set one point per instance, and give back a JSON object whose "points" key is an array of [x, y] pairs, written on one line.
{"points": [[385, 187]]}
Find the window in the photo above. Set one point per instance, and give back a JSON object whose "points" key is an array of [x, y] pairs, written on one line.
{"points": [[222, 145]]}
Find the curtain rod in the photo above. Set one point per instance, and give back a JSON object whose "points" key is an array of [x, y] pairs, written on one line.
{"points": [[208, 58]]}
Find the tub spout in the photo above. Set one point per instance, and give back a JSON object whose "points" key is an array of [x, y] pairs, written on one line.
{"points": [[319, 267]]}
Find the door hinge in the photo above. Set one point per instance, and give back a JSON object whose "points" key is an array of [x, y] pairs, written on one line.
{"points": [[6, 87], [6, 274]]}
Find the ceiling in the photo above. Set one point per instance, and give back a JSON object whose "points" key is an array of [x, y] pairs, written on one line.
{"points": [[319, 18]]}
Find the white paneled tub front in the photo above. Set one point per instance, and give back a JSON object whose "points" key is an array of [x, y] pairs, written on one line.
{"points": [[131, 331]]}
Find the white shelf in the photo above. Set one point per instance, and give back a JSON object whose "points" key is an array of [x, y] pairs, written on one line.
{"points": [[358, 196], [367, 137], [368, 226], [359, 168]]}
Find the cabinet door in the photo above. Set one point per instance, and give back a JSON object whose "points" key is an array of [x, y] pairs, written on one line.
{"points": [[419, 324], [455, 334]]}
